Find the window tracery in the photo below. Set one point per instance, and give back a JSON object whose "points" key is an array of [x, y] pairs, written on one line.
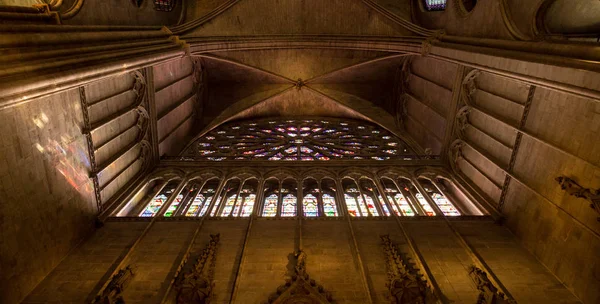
{"points": [[390, 195], [298, 140], [440, 200], [159, 200], [399, 203]]}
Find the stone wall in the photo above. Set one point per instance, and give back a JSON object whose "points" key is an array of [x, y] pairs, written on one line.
{"points": [[47, 203], [345, 257], [558, 137]]}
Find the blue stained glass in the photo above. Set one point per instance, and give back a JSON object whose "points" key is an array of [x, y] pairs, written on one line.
{"points": [[435, 5]]}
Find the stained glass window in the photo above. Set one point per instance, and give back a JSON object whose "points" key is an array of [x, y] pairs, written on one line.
{"points": [[246, 199], [202, 200], [164, 5], [354, 199], [298, 140], [310, 204], [177, 201], [159, 200], [440, 200], [230, 191], [428, 210], [399, 203], [328, 197], [435, 5], [271, 198], [289, 199], [371, 195]]}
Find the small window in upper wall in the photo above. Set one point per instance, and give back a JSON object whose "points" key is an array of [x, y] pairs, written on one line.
{"points": [[435, 5], [164, 5], [469, 5]]}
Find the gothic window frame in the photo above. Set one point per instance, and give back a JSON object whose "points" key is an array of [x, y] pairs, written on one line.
{"points": [[204, 206], [423, 180], [398, 208], [165, 5], [433, 5], [164, 188]]}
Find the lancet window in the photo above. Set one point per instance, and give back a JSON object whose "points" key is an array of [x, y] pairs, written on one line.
{"points": [[159, 200], [271, 195], [310, 197], [397, 198], [202, 200], [164, 5], [298, 140], [288, 198], [435, 5], [328, 195], [438, 198]]}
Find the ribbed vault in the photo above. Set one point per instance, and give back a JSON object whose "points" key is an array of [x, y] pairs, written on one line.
{"points": [[351, 84]]}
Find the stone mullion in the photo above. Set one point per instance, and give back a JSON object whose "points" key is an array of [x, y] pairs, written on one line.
{"points": [[409, 199], [90, 148], [241, 202], [515, 149], [171, 198], [300, 199], [142, 205], [320, 203], [182, 209], [428, 198], [213, 201], [279, 200], [364, 200], [448, 196], [341, 203], [385, 198], [259, 203], [221, 205], [414, 202]]}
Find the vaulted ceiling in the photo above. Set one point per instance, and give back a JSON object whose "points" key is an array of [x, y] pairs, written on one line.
{"points": [[302, 81]]}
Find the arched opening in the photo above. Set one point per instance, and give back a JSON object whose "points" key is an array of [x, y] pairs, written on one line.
{"points": [[289, 198], [158, 201], [399, 202], [271, 198], [328, 197], [445, 206], [310, 198], [434, 5], [203, 199], [468, 5], [229, 197]]}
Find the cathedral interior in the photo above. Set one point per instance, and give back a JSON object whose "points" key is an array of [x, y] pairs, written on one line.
{"points": [[300, 151]]}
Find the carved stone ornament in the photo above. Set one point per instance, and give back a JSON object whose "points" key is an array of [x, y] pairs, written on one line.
{"points": [[195, 285], [574, 189], [405, 284], [112, 292], [462, 121], [300, 289], [488, 293]]}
